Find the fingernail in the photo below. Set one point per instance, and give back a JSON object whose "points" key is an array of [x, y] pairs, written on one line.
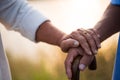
{"points": [[81, 66], [76, 43]]}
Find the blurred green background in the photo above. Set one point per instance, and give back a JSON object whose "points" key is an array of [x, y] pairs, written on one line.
{"points": [[41, 61]]}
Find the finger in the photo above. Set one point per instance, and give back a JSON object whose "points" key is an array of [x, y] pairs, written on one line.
{"points": [[68, 43], [95, 36], [83, 42], [68, 68], [85, 61], [89, 39], [68, 62]]}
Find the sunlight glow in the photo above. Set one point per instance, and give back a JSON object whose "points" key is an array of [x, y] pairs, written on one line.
{"points": [[67, 15]]}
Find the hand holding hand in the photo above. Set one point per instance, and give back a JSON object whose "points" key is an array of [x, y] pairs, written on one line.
{"points": [[88, 45], [87, 39], [84, 61]]}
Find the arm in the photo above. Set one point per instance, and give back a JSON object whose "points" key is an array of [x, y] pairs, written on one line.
{"points": [[49, 33], [110, 23], [107, 26], [20, 16]]}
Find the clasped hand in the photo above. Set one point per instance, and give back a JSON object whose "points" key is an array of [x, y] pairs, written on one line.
{"points": [[83, 43]]}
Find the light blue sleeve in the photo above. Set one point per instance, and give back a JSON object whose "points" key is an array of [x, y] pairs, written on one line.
{"points": [[20, 16], [115, 2]]}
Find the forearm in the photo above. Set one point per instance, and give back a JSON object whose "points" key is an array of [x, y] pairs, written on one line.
{"points": [[110, 22], [49, 33]]}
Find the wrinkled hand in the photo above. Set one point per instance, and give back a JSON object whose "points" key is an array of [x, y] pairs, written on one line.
{"points": [[72, 54], [87, 39], [87, 46]]}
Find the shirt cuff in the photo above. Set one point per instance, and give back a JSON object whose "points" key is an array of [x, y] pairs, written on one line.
{"points": [[29, 24], [32, 22]]}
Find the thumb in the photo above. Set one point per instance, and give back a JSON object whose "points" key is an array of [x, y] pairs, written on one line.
{"points": [[68, 43]]}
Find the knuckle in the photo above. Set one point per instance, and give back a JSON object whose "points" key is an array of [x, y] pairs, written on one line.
{"points": [[82, 38], [91, 32], [83, 41], [74, 32]]}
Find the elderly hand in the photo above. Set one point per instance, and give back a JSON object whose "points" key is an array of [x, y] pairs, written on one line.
{"points": [[88, 40], [89, 43], [72, 54]]}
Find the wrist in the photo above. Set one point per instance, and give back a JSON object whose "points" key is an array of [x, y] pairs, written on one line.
{"points": [[110, 22], [48, 33], [98, 32]]}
